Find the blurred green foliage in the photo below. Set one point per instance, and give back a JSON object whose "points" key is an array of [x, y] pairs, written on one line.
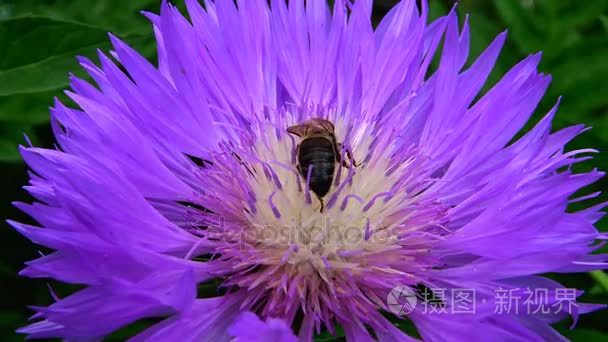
{"points": [[40, 38]]}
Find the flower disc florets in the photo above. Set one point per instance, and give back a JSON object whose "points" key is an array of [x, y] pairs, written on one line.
{"points": [[376, 229]]}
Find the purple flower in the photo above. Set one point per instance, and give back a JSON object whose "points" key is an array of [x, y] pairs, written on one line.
{"points": [[249, 327], [169, 179]]}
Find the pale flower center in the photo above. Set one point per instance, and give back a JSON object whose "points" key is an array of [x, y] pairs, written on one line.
{"points": [[357, 218], [375, 232]]}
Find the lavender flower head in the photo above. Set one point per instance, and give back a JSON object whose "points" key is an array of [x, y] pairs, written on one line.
{"points": [[167, 180]]}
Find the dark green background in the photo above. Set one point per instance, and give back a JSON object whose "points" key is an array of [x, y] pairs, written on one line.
{"points": [[39, 39]]}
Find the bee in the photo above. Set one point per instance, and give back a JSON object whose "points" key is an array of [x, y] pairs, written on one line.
{"points": [[320, 151]]}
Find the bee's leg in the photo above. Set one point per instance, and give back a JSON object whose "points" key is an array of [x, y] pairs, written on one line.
{"points": [[348, 155], [351, 158], [322, 203]]}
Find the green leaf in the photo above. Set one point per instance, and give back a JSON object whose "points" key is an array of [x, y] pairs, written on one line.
{"points": [[40, 43], [577, 78], [404, 324], [25, 110], [122, 17], [525, 27], [437, 9], [9, 321], [573, 14], [9, 317], [11, 136], [604, 21], [210, 289], [50, 73], [596, 290], [326, 336], [601, 278], [8, 150], [39, 52], [6, 271], [584, 335]]}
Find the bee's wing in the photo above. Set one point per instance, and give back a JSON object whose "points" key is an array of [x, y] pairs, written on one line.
{"points": [[324, 124]]}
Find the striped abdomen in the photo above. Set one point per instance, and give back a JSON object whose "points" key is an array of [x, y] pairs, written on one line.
{"points": [[320, 153]]}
